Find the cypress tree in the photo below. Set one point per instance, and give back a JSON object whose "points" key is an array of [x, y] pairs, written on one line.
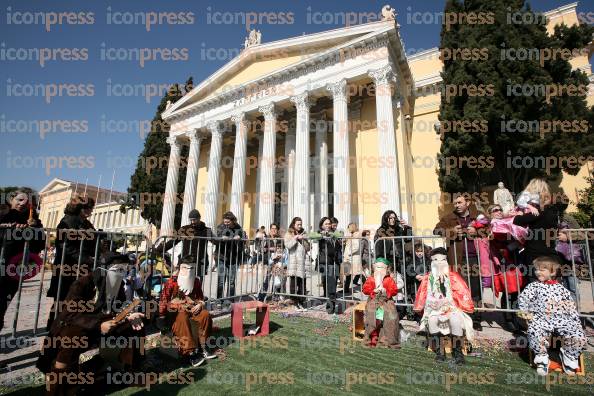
{"points": [[511, 157]]}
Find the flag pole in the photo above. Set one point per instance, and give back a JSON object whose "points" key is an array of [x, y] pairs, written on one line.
{"points": [[98, 188], [109, 200]]}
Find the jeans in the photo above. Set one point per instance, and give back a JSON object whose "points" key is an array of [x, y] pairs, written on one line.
{"points": [[267, 276], [225, 272]]}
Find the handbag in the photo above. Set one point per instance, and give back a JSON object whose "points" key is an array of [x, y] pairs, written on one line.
{"points": [[513, 277]]}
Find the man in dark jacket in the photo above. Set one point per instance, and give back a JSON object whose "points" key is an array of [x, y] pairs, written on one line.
{"points": [[462, 254], [194, 238], [230, 241], [75, 249]]}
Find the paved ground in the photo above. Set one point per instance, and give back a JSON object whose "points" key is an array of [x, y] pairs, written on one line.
{"points": [[20, 353]]}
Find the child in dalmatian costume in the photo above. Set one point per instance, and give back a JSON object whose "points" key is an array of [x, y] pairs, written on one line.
{"points": [[549, 308]]}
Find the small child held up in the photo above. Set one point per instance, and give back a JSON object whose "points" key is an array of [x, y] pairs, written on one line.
{"points": [[549, 308]]}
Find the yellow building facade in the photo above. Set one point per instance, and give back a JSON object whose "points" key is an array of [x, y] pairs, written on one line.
{"points": [[336, 123]]}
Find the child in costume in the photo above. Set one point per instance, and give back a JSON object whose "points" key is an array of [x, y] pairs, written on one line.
{"points": [[444, 298], [381, 318], [550, 309]]}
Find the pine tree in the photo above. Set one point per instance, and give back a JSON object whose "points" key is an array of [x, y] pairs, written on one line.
{"points": [[494, 144], [147, 185]]}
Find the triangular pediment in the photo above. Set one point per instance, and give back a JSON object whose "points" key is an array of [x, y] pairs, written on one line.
{"points": [[55, 184], [264, 59]]}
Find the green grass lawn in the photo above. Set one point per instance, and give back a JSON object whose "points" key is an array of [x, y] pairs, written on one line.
{"points": [[305, 356]]}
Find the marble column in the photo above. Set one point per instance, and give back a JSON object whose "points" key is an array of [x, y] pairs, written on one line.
{"points": [[342, 171], [191, 175], [267, 162], [301, 193], [168, 215], [289, 176], [388, 156], [239, 165], [402, 141], [214, 168], [258, 177], [322, 167]]}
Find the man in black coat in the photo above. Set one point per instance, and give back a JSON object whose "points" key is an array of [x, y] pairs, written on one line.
{"points": [[75, 249], [194, 238]]}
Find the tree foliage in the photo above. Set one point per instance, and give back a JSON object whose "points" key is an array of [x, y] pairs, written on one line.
{"points": [[511, 157], [147, 184]]}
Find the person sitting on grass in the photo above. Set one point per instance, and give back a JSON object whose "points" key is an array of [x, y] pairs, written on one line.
{"points": [[381, 317], [549, 308], [182, 306], [445, 300]]}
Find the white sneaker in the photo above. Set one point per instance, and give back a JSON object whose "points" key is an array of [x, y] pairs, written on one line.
{"points": [[542, 369]]}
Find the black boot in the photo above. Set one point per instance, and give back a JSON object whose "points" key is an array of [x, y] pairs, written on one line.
{"points": [[477, 318], [330, 306], [457, 350], [438, 347]]}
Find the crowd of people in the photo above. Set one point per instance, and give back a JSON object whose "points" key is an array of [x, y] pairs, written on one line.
{"points": [[523, 255]]}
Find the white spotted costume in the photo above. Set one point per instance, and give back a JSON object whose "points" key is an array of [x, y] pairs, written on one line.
{"points": [[553, 311]]}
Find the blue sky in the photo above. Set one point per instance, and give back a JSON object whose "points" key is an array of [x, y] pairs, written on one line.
{"points": [[82, 97]]}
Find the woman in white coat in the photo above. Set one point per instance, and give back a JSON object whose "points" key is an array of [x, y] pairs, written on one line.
{"points": [[352, 257], [298, 264]]}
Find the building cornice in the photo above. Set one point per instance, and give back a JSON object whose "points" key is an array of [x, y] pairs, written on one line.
{"points": [[559, 11]]}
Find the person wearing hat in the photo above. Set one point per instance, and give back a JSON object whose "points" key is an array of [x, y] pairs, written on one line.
{"points": [[182, 305], [445, 303], [381, 318], [194, 238], [88, 321]]}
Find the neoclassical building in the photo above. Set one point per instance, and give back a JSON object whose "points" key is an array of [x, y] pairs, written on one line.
{"points": [[334, 123]]}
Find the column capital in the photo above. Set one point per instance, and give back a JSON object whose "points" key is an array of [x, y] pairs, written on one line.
{"points": [[268, 110], [382, 76], [195, 136], [238, 118], [301, 101], [338, 89], [214, 127], [173, 142]]}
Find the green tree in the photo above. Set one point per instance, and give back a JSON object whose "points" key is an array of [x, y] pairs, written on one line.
{"points": [[147, 184], [497, 105], [585, 205]]}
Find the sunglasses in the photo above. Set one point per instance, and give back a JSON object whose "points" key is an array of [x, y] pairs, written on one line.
{"points": [[496, 210]]}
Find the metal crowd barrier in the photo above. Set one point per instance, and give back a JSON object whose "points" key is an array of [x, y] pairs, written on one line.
{"points": [[31, 279], [255, 276], [234, 269]]}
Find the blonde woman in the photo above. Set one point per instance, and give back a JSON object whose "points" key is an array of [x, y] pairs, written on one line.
{"points": [[541, 218]]}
